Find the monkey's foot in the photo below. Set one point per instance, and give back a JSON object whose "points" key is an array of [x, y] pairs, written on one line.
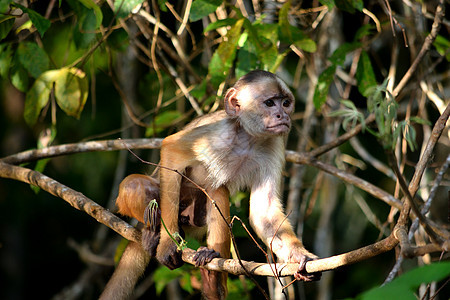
{"points": [[303, 275], [168, 254], [204, 255]]}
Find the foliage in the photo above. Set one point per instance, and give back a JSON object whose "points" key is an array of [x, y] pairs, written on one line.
{"points": [[406, 285]]}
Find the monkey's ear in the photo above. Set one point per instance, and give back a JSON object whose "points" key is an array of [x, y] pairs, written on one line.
{"points": [[231, 103]]}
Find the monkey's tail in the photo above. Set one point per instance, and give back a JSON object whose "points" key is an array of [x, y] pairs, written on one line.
{"points": [[131, 266]]}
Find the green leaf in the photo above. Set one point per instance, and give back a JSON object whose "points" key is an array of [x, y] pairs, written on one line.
{"points": [[38, 96], [442, 46], [5, 60], [247, 59], [306, 44], [323, 86], [4, 6], [200, 90], [202, 8], [223, 57], [350, 114], [6, 23], [41, 23], [162, 121], [283, 23], [239, 289], [71, 91], [420, 121], [19, 76], [220, 23], [267, 54], [84, 34], [358, 4], [27, 25], [253, 34], [338, 56], [365, 75], [120, 250], [364, 31], [350, 5], [124, 7], [97, 11], [162, 5], [329, 3], [292, 35], [33, 58], [404, 286], [163, 276], [119, 40]]}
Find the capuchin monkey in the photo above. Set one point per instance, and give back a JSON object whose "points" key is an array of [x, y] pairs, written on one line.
{"points": [[239, 147]]}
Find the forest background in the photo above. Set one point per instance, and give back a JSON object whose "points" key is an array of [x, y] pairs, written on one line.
{"points": [[368, 152]]}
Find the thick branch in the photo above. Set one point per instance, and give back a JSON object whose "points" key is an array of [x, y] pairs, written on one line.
{"points": [[81, 202], [74, 198], [106, 145]]}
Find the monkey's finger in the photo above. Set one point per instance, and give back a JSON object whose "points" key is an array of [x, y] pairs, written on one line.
{"points": [[204, 255], [303, 275]]}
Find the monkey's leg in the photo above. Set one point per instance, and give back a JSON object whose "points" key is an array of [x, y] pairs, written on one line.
{"points": [[135, 193], [214, 284]]}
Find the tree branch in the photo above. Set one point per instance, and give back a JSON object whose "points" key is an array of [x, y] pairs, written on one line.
{"points": [[105, 145], [82, 203], [301, 158], [74, 198], [118, 144]]}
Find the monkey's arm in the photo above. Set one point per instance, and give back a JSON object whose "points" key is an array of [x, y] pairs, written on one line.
{"points": [[273, 227], [175, 155]]}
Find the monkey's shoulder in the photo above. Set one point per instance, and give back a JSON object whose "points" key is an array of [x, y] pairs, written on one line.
{"points": [[210, 119]]}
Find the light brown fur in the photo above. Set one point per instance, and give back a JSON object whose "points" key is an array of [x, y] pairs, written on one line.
{"points": [[240, 147]]}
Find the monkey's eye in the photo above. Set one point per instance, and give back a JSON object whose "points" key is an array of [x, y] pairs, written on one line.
{"points": [[269, 103], [286, 103]]}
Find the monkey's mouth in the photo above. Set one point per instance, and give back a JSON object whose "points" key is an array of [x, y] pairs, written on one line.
{"points": [[279, 126]]}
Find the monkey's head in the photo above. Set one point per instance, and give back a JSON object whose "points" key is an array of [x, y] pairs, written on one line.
{"points": [[262, 103]]}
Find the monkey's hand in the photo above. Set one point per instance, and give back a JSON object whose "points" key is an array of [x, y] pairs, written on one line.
{"points": [[152, 228], [150, 240], [167, 252], [302, 256], [204, 255]]}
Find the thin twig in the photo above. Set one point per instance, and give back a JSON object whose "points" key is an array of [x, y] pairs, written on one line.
{"points": [[440, 12]]}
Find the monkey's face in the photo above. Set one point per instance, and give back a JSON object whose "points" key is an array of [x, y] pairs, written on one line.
{"points": [[265, 107]]}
